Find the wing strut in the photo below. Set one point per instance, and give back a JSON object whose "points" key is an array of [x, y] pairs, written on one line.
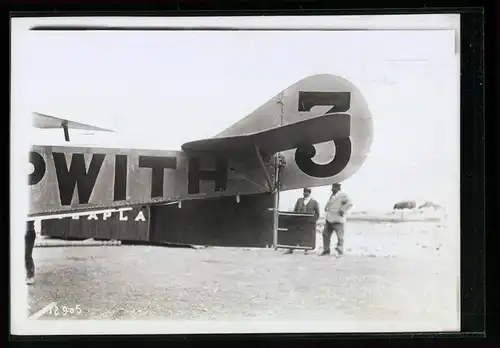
{"points": [[64, 125], [268, 178]]}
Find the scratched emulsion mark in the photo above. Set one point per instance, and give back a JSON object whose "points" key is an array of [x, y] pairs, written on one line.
{"points": [[43, 311]]}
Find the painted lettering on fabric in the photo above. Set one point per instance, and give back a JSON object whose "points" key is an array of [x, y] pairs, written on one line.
{"points": [[196, 174], [305, 154], [121, 174], [76, 176], [122, 216], [339, 102], [39, 168], [158, 165]]}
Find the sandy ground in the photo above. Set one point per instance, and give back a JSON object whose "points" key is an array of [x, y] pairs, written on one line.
{"points": [[404, 272]]}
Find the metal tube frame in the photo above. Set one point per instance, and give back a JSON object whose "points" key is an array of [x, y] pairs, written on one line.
{"points": [[276, 193]]}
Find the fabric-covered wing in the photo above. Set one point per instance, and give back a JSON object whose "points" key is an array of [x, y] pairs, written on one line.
{"points": [[50, 122]]}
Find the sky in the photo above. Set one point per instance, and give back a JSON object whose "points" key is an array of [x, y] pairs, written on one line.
{"points": [[161, 89]]}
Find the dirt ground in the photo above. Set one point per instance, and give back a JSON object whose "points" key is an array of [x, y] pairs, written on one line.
{"points": [[403, 272]]}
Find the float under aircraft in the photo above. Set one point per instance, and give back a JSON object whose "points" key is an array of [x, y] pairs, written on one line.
{"points": [[316, 132]]}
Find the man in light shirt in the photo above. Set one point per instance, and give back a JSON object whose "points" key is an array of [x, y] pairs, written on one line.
{"points": [[336, 209], [306, 205]]}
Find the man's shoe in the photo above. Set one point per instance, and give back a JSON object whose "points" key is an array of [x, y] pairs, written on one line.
{"points": [[324, 253], [30, 280], [289, 252]]}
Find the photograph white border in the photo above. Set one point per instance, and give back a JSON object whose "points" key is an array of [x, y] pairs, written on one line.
{"points": [[20, 123]]}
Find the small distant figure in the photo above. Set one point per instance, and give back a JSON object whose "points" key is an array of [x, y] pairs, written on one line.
{"points": [[29, 244], [336, 209], [405, 205], [431, 205], [305, 205]]}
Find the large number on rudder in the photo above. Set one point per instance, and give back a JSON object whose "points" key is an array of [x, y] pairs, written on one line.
{"points": [[340, 102]]}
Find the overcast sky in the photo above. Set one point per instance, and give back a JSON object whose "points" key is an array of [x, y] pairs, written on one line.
{"points": [[161, 89]]}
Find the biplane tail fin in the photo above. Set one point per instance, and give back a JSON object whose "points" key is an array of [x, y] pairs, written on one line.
{"points": [[311, 97], [322, 124]]}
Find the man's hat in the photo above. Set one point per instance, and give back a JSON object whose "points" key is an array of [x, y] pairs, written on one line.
{"points": [[307, 189]]}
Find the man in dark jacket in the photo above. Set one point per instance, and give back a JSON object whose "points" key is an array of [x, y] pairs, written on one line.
{"points": [[306, 205], [29, 244]]}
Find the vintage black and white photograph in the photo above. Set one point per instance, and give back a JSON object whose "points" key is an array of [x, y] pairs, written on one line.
{"points": [[235, 174]]}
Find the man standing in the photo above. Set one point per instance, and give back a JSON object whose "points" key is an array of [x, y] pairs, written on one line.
{"points": [[29, 244], [306, 205], [336, 210]]}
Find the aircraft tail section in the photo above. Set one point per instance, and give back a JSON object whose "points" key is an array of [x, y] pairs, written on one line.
{"points": [[330, 157], [321, 125]]}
